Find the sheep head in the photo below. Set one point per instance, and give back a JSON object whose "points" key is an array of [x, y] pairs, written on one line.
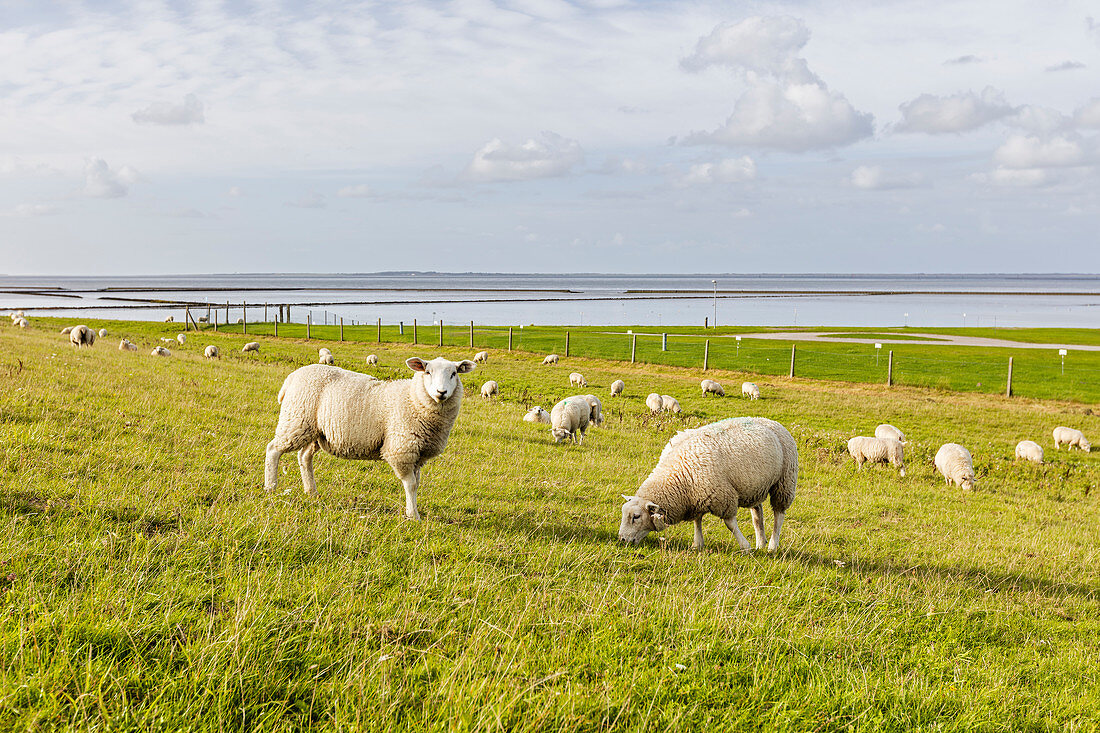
{"points": [[640, 517]]}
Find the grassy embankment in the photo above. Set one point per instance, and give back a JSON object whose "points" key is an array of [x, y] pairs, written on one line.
{"points": [[149, 583]]}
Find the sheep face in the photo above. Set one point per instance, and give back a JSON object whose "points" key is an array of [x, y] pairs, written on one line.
{"points": [[967, 483], [560, 434], [1086, 446], [640, 517], [440, 375]]}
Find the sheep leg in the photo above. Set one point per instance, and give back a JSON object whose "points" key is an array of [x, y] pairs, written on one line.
{"points": [[275, 450], [758, 524], [732, 524], [698, 544], [773, 544], [410, 479], [305, 465]]}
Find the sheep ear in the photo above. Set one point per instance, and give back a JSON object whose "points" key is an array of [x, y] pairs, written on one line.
{"points": [[628, 498], [652, 507], [465, 366], [416, 364]]}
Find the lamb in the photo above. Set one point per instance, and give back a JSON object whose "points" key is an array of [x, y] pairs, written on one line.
{"points": [[127, 345], [405, 422], [1072, 438], [489, 389], [372, 359], [160, 351], [955, 463], [654, 402], [717, 469], [750, 390], [551, 359], [481, 357], [670, 404], [617, 387], [251, 346], [1029, 450], [889, 431], [709, 386], [169, 319], [866, 449], [66, 330], [537, 414], [596, 416], [576, 379], [211, 352], [324, 356], [570, 418], [103, 333], [82, 336], [181, 338]]}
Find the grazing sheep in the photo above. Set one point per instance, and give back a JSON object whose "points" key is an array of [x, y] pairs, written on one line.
{"points": [[372, 359], [481, 357], [570, 418], [551, 359], [596, 416], [66, 330], [17, 315], [709, 386], [670, 404], [889, 431], [1029, 450], [160, 351], [750, 390], [537, 414], [405, 422], [204, 319], [251, 346], [489, 389], [103, 333], [717, 469], [240, 321], [82, 336], [169, 319], [127, 345], [576, 379], [324, 356], [211, 352], [866, 449], [21, 322], [181, 338], [1072, 438], [653, 402], [955, 463], [617, 387]]}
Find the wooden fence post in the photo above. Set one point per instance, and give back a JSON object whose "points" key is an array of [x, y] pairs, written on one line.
{"points": [[633, 347], [379, 339], [1008, 389], [890, 369], [509, 338], [664, 342], [309, 322], [414, 330], [276, 324], [567, 343], [400, 328], [706, 354], [215, 320], [341, 328], [792, 360], [265, 312], [441, 332], [244, 317], [471, 334], [187, 318]]}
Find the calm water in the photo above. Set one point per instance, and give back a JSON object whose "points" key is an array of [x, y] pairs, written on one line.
{"points": [[766, 300]]}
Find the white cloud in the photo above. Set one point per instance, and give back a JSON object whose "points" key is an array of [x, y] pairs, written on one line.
{"points": [[552, 155], [873, 177], [1088, 114], [963, 60], [727, 170], [102, 182], [786, 107], [358, 191], [189, 112], [1017, 177], [1066, 66], [955, 113], [1021, 152], [1038, 119]]}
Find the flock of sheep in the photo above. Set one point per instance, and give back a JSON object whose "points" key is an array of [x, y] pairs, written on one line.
{"points": [[715, 469]]}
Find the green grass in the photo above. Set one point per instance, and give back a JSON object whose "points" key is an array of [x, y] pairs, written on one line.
{"points": [[149, 583]]}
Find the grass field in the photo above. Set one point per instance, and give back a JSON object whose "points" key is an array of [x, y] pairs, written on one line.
{"points": [[149, 583]]}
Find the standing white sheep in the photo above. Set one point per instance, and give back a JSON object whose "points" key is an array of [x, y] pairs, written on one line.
{"points": [[103, 333], [654, 402], [372, 359], [551, 359], [490, 388], [82, 336], [160, 351], [596, 416], [1029, 450], [717, 469], [750, 390], [181, 338], [889, 431], [617, 387], [65, 331], [404, 422], [537, 414], [569, 419], [709, 386], [670, 404], [211, 352], [576, 379], [1072, 438], [865, 449], [956, 464], [251, 346], [127, 345], [21, 322], [481, 357], [169, 319]]}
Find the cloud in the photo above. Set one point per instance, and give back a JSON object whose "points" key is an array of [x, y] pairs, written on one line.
{"points": [[359, 191], [1038, 119], [955, 113], [1022, 152], [189, 112], [1066, 66], [102, 182], [1014, 177], [552, 155], [786, 107], [1088, 114], [874, 178], [962, 60], [728, 170], [24, 211]]}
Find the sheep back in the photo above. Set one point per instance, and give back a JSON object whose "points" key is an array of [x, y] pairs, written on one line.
{"points": [[889, 431], [1029, 450], [956, 464]]}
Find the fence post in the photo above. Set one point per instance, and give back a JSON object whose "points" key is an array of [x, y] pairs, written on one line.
{"points": [[509, 338], [341, 328], [633, 347], [187, 318], [706, 354], [567, 343], [227, 312], [244, 317], [890, 369], [276, 323], [440, 332], [414, 330], [215, 320], [1008, 390], [265, 312], [664, 342], [792, 359], [400, 328], [309, 321], [379, 340]]}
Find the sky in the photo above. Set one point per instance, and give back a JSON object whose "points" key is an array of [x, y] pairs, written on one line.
{"points": [[154, 137]]}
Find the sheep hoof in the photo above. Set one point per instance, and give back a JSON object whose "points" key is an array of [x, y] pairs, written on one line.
{"points": [[414, 517]]}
